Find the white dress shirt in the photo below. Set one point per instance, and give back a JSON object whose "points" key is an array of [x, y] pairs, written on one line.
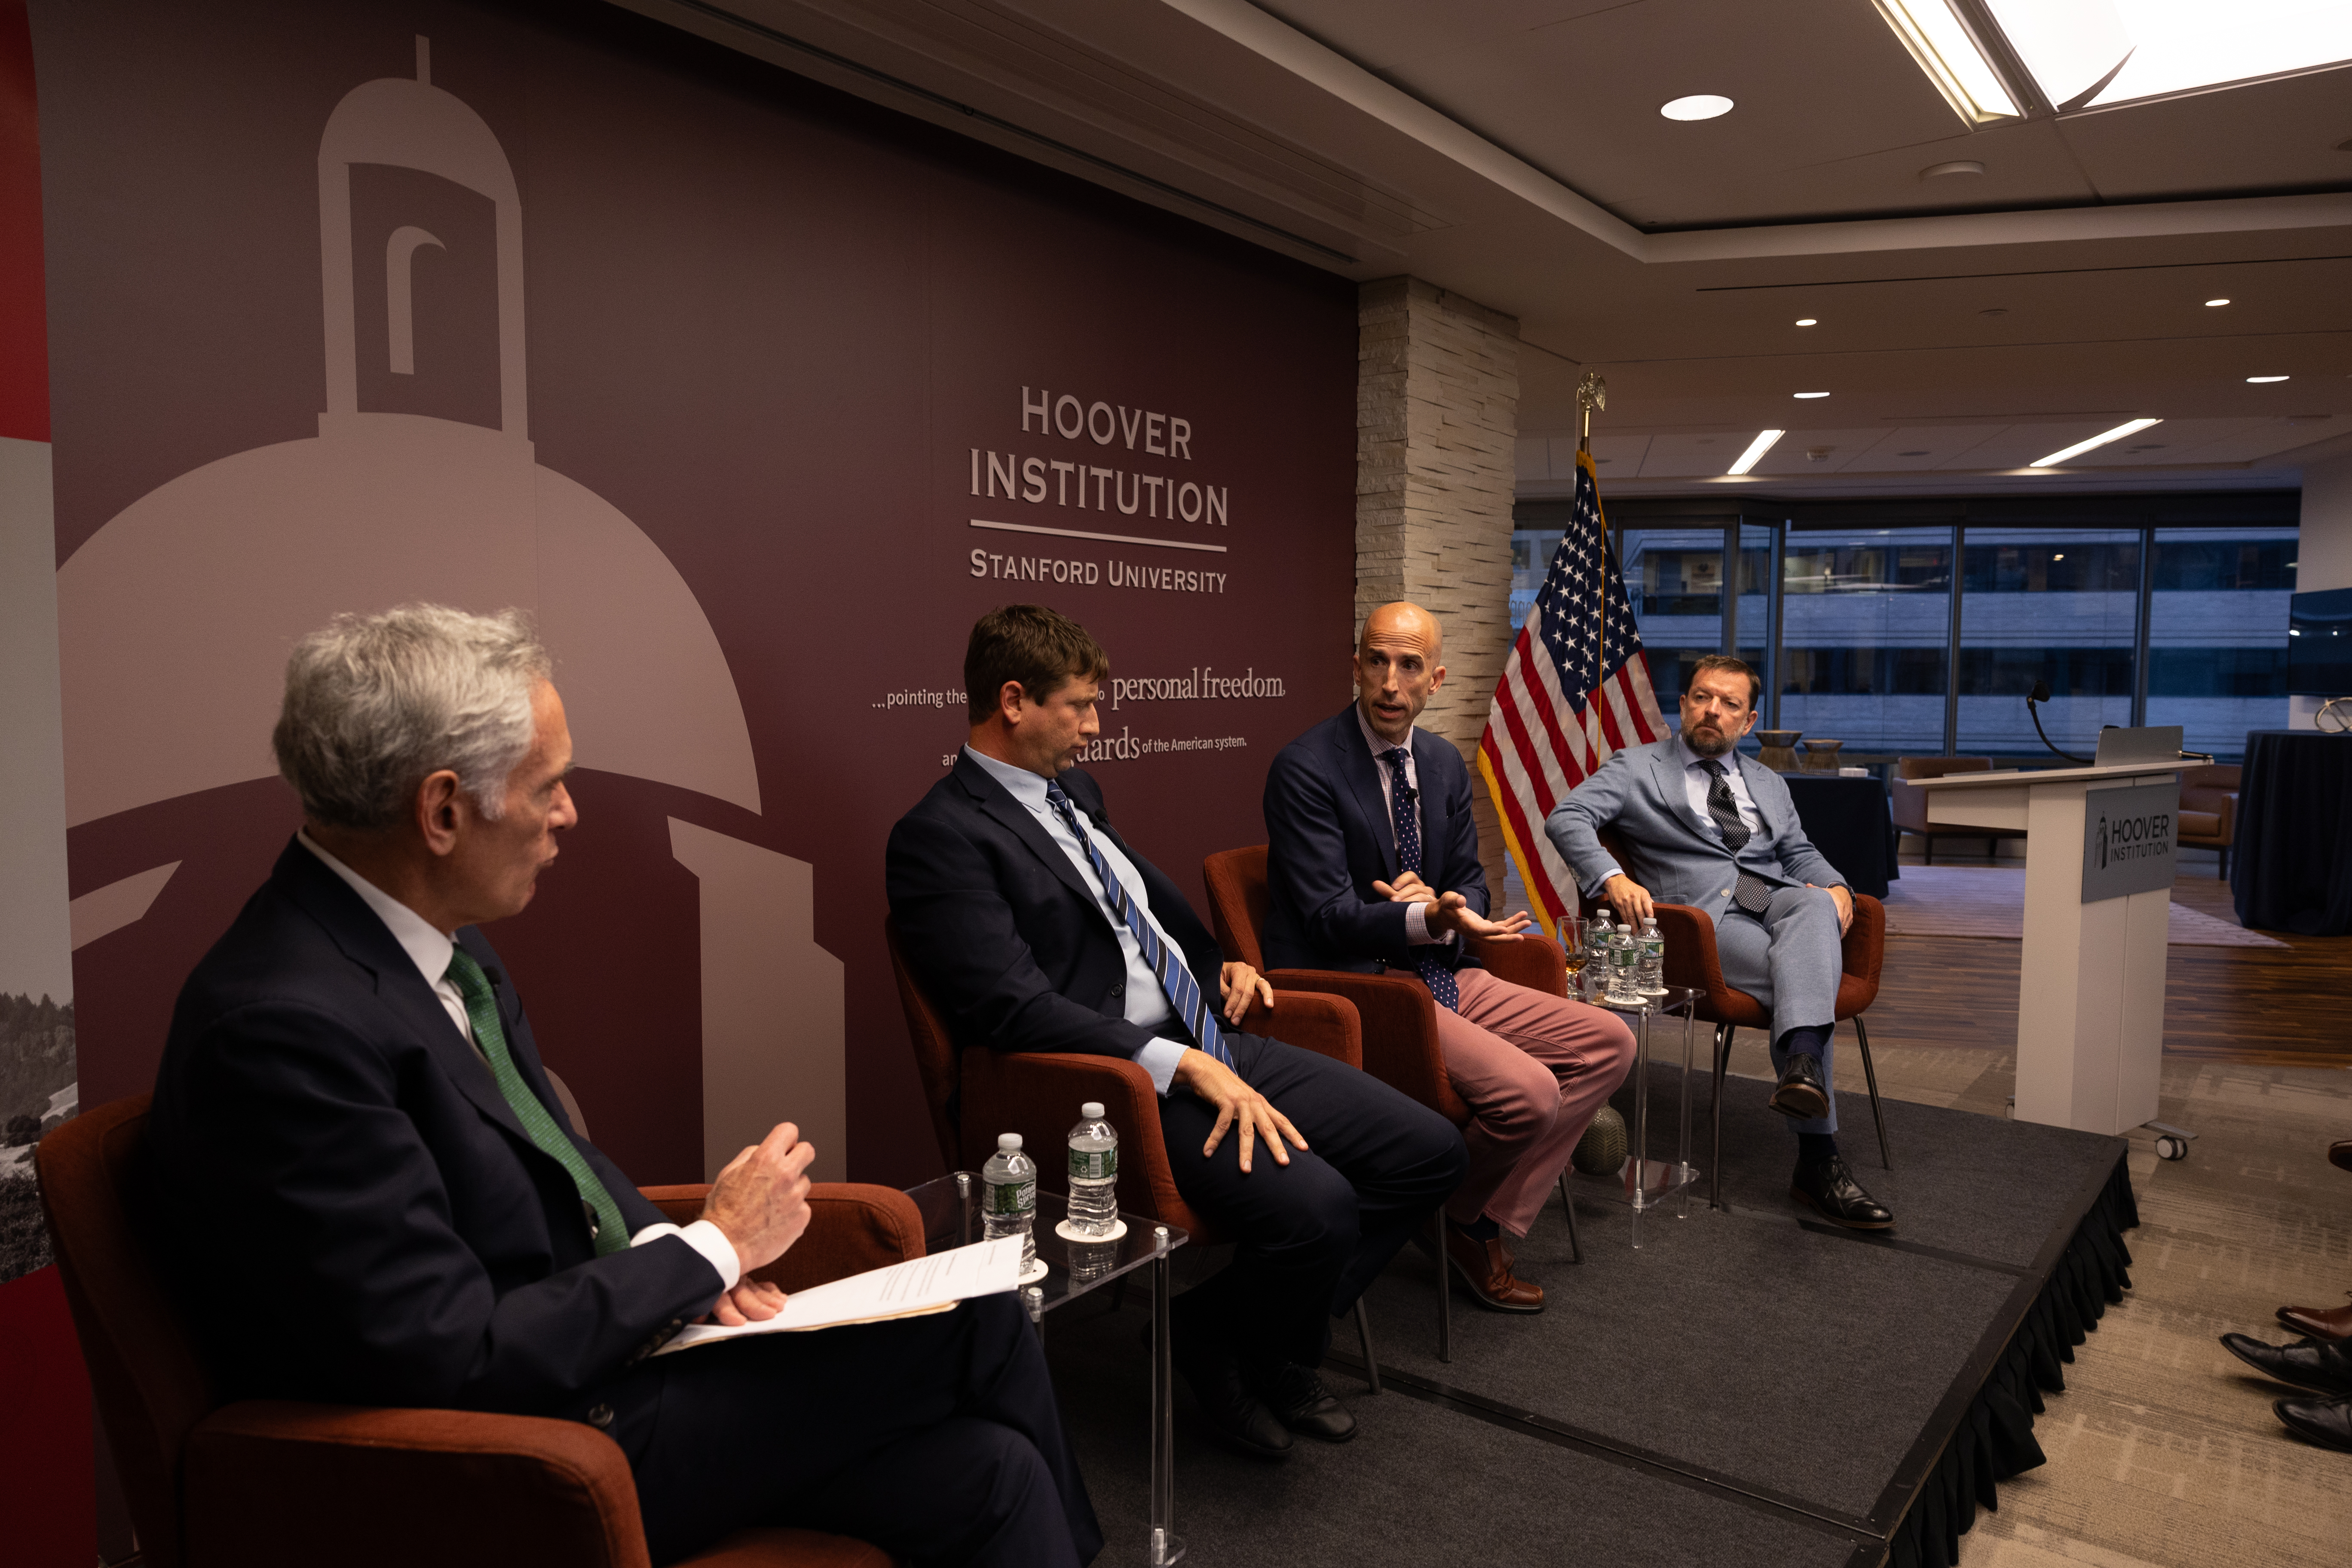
{"points": [[429, 950], [1416, 916], [1146, 1002]]}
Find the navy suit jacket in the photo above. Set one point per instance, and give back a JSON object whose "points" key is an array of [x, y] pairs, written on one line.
{"points": [[1329, 837], [1006, 935], [356, 1214]]}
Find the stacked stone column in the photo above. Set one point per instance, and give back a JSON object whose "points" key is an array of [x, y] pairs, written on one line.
{"points": [[1437, 400]]}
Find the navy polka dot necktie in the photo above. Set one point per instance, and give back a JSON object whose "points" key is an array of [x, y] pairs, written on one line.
{"points": [[1407, 840]]}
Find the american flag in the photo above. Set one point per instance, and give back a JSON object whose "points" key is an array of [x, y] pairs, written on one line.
{"points": [[1559, 710]]}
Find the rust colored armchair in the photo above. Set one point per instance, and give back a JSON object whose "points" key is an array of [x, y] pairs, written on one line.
{"points": [[2208, 809], [1693, 960], [976, 1094], [277, 1484], [1400, 1017], [1908, 806]]}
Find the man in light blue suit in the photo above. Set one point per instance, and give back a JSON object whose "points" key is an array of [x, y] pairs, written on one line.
{"points": [[1705, 826]]}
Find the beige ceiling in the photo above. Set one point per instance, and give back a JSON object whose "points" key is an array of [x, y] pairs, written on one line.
{"points": [[1511, 151]]}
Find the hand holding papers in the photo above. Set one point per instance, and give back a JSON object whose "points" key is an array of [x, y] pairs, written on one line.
{"points": [[921, 1285]]}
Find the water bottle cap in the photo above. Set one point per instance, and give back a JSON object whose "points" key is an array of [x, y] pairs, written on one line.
{"points": [[1624, 931], [1092, 1110], [1008, 1141]]}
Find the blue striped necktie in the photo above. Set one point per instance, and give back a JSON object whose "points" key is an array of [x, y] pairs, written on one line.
{"points": [[1175, 979], [1439, 979]]}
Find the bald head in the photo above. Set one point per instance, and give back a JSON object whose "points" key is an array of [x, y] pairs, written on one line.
{"points": [[1399, 663]]}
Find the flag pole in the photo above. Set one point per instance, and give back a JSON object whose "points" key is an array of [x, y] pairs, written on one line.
{"points": [[1592, 393]]}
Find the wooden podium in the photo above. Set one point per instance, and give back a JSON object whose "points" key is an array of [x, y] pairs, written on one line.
{"points": [[2099, 858]]}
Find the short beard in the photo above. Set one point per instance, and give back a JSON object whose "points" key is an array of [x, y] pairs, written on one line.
{"points": [[1716, 747]]}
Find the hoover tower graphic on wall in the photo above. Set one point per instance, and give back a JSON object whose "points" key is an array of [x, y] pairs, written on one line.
{"points": [[175, 617]]}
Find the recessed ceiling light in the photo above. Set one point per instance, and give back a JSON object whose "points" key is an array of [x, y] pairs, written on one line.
{"points": [[1697, 106], [2210, 304], [1755, 449], [2129, 427], [1957, 166], [1810, 321], [2258, 380], [1813, 395]]}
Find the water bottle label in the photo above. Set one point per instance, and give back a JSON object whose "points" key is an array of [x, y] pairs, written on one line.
{"points": [[1092, 1164], [1011, 1199]]}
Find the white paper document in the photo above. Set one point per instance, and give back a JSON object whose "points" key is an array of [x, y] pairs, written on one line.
{"points": [[905, 1290]]}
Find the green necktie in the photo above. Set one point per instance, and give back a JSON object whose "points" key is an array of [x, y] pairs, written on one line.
{"points": [[482, 1009]]}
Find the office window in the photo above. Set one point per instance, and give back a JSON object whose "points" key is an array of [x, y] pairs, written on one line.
{"points": [[1674, 577], [1531, 553], [2216, 634], [1865, 623], [1752, 625], [2050, 605]]}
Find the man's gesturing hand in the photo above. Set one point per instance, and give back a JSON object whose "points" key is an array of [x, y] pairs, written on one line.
{"points": [[1629, 899], [760, 1200], [1450, 912], [1237, 1105], [1241, 986]]}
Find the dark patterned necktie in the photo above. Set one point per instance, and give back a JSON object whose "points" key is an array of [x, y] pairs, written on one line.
{"points": [[1751, 893], [1408, 838], [1175, 979], [606, 1227]]}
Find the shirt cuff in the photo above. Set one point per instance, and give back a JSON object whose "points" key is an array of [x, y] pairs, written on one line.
{"points": [[1158, 1057], [1416, 926], [1592, 888], [704, 1238]]}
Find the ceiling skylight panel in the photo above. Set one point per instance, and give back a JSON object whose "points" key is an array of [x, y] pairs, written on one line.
{"points": [[2180, 46]]}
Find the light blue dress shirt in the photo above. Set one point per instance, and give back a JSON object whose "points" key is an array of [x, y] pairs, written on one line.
{"points": [[1697, 782], [1147, 1003]]}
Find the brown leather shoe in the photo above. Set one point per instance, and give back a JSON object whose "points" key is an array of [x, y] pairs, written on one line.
{"points": [[1485, 1267], [2319, 1322]]}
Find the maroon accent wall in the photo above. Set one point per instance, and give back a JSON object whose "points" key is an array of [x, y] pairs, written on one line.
{"points": [[770, 325]]}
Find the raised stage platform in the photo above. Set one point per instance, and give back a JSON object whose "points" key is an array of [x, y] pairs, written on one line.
{"points": [[1749, 1386]]}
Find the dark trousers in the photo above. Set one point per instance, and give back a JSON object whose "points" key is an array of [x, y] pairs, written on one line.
{"points": [[1313, 1233], [934, 1438]]}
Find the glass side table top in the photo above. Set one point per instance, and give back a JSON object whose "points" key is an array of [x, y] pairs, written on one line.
{"points": [[951, 1211]]}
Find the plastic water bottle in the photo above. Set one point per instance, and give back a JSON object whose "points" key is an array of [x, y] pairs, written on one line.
{"points": [[1094, 1172], [1010, 1204], [1650, 972], [1622, 956]]}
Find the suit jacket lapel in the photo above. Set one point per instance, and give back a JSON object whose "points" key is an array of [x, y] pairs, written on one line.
{"points": [[367, 942], [997, 802], [1362, 771]]}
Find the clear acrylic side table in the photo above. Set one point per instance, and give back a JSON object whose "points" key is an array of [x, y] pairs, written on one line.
{"points": [[1642, 1183], [951, 1211]]}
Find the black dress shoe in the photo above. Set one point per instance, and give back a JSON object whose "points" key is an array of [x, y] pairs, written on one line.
{"points": [[1829, 1190], [2320, 1365], [1237, 1418], [2326, 1422], [1300, 1401], [1801, 1094]]}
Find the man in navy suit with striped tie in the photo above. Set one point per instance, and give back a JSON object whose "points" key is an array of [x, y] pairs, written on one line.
{"points": [[1034, 926]]}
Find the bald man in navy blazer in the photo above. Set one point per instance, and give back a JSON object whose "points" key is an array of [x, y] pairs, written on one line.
{"points": [[1373, 863]]}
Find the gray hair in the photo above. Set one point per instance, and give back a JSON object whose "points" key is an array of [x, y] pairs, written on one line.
{"points": [[376, 703]]}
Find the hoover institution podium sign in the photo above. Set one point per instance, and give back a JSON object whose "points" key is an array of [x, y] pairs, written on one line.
{"points": [[2099, 861]]}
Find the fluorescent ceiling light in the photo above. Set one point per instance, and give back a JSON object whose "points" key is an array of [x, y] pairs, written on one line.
{"points": [[1810, 321], [1755, 451], [2129, 427], [2259, 380], [1698, 106], [1932, 32], [2211, 303], [1813, 395], [2092, 54]]}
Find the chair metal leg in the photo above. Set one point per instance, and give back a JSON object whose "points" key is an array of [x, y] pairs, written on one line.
{"points": [[1870, 1076], [1364, 1332], [1444, 1289], [1928, 847], [1723, 1033], [1568, 1207]]}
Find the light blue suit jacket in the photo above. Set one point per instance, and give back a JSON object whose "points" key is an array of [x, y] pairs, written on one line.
{"points": [[1640, 794]]}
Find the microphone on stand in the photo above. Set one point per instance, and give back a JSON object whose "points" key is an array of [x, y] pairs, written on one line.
{"points": [[2041, 693]]}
